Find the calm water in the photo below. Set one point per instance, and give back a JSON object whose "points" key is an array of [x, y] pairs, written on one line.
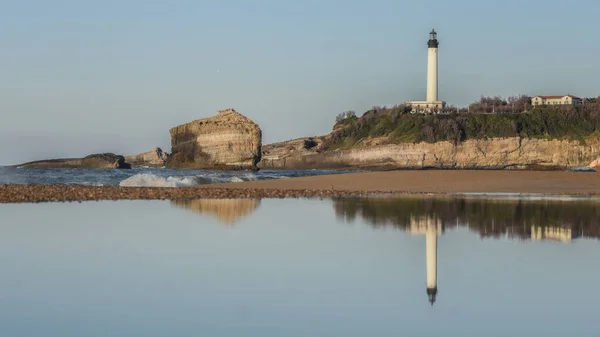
{"points": [[296, 267]]}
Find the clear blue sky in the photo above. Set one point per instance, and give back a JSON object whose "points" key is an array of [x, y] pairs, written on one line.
{"points": [[78, 77]]}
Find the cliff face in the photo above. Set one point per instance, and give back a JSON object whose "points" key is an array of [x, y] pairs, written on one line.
{"points": [[495, 153], [156, 157], [226, 141]]}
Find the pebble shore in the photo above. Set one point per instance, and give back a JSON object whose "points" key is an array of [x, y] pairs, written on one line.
{"points": [[58, 193], [337, 185]]}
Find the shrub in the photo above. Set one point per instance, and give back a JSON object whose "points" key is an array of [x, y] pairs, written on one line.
{"points": [[309, 143]]}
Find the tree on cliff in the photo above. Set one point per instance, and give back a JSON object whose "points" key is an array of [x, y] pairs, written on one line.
{"points": [[342, 116]]}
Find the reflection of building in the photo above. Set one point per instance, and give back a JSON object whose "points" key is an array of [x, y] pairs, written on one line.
{"points": [[561, 234], [228, 211], [432, 103], [431, 227]]}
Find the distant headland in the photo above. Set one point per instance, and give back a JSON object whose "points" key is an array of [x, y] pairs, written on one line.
{"points": [[521, 132]]}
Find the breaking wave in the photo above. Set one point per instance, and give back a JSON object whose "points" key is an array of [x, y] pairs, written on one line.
{"points": [[153, 180]]}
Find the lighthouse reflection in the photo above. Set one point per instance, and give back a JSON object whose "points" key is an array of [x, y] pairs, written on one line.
{"points": [[431, 227], [549, 221]]}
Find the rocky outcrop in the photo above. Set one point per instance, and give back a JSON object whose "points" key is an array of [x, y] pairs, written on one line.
{"points": [[227, 141], [96, 161], [154, 158], [228, 211], [494, 153]]}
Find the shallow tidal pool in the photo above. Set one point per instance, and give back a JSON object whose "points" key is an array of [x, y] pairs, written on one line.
{"points": [[301, 267]]}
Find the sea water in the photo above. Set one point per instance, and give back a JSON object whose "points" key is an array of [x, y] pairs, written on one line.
{"points": [[151, 177], [300, 267]]}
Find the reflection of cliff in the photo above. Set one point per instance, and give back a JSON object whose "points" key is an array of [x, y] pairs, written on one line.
{"points": [[522, 219], [228, 211]]}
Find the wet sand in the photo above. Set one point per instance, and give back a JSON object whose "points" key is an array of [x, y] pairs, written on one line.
{"points": [[443, 181], [352, 184]]}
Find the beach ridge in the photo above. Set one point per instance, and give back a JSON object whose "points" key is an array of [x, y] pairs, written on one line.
{"points": [[336, 185]]}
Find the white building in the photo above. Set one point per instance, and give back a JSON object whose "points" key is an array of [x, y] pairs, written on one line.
{"points": [[556, 100], [432, 104]]}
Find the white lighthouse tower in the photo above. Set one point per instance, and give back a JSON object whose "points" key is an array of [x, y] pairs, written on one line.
{"points": [[432, 102], [432, 67]]}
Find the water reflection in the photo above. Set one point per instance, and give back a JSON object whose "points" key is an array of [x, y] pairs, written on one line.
{"points": [[525, 220], [536, 220], [288, 268], [552, 220], [227, 211], [431, 227]]}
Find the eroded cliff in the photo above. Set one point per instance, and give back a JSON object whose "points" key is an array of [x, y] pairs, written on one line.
{"points": [[492, 153], [228, 140]]}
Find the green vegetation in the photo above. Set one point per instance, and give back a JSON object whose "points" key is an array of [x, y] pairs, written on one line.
{"points": [[401, 126]]}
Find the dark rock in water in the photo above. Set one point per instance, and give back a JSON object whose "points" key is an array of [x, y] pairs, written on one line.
{"points": [[582, 169], [96, 161], [105, 160]]}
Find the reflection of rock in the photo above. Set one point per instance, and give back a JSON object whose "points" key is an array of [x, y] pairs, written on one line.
{"points": [[228, 211]]}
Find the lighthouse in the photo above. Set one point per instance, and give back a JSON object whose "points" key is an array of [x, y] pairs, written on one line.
{"points": [[432, 104], [432, 67]]}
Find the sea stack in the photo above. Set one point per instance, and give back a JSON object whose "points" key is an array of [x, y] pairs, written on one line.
{"points": [[227, 141]]}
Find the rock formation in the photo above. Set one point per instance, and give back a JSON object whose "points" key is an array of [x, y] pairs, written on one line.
{"points": [[494, 153], [227, 141], [97, 161], [595, 164], [228, 211], [154, 158]]}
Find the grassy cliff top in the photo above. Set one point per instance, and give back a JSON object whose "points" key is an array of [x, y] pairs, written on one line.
{"points": [[400, 126]]}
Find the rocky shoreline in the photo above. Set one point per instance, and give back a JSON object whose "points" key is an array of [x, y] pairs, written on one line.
{"points": [[62, 193], [420, 182]]}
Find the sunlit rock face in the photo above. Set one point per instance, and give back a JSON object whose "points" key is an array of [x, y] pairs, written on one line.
{"points": [[229, 141], [492, 153], [595, 164], [228, 211], [156, 157]]}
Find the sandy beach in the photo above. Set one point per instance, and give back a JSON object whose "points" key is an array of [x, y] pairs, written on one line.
{"points": [[439, 181], [352, 184]]}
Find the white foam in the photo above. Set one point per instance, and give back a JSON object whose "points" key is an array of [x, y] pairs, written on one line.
{"points": [[152, 180]]}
